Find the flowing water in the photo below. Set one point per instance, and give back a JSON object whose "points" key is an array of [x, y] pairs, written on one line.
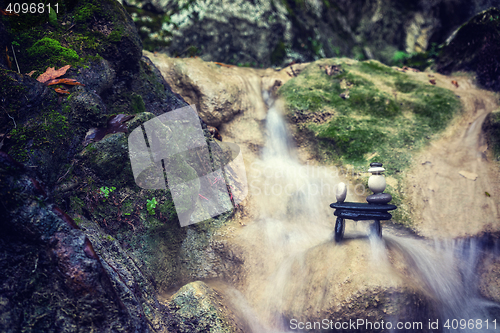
{"points": [[294, 269]]}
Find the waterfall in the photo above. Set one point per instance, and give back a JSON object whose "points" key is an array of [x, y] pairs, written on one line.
{"points": [[293, 258]]}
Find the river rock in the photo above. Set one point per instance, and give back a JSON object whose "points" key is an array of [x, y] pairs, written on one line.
{"points": [[198, 308], [380, 198], [217, 96]]}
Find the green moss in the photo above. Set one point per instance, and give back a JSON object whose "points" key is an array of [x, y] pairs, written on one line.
{"points": [[52, 53], [90, 148], [279, 53], [399, 58], [167, 208], [352, 138], [405, 86], [376, 120], [137, 104], [86, 12], [115, 36], [436, 109], [77, 205], [50, 130], [373, 103], [375, 67]]}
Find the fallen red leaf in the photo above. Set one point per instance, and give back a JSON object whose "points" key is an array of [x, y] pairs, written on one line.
{"points": [[9, 64], [3, 12], [51, 73], [224, 65], [61, 91], [71, 82], [432, 81]]}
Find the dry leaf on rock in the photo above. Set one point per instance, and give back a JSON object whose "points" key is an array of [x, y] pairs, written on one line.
{"points": [[71, 82], [51, 73], [9, 64], [6, 13], [61, 91]]}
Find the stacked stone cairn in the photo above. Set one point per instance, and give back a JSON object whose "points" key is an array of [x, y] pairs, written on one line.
{"points": [[377, 184]]}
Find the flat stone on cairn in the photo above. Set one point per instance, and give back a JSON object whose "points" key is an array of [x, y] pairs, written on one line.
{"points": [[380, 198]]}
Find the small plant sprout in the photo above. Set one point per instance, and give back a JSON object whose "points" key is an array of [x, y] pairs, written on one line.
{"points": [[151, 205], [105, 191]]}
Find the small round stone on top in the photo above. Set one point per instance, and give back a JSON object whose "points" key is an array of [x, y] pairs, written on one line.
{"points": [[375, 164]]}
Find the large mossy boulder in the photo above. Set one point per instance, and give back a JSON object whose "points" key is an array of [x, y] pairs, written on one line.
{"points": [[351, 108], [56, 275], [83, 247], [475, 47]]}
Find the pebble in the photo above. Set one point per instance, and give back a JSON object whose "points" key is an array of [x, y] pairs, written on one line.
{"points": [[468, 175], [341, 192]]}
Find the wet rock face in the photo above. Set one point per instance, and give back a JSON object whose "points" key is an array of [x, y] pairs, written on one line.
{"points": [[491, 127], [70, 267], [46, 130], [475, 47], [218, 96], [278, 32], [53, 277]]}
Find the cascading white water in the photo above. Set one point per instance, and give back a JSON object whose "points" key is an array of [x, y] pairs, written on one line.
{"points": [[447, 272], [293, 233]]}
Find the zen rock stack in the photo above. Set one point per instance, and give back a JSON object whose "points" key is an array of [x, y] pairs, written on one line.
{"points": [[377, 184]]}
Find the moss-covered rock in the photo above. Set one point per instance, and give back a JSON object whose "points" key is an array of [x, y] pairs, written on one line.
{"points": [[365, 101], [198, 308], [475, 47], [365, 112], [57, 282], [68, 286], [51, 51], [109, 159]]}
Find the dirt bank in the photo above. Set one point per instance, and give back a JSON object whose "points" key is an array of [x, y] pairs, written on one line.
{"points": [[453, 185]]}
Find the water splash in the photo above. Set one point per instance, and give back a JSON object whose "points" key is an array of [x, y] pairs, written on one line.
{"points": [[446, 271]]}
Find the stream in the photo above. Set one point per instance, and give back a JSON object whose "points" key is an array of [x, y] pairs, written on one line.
{"points": [[296, 278], [294, 266]]}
